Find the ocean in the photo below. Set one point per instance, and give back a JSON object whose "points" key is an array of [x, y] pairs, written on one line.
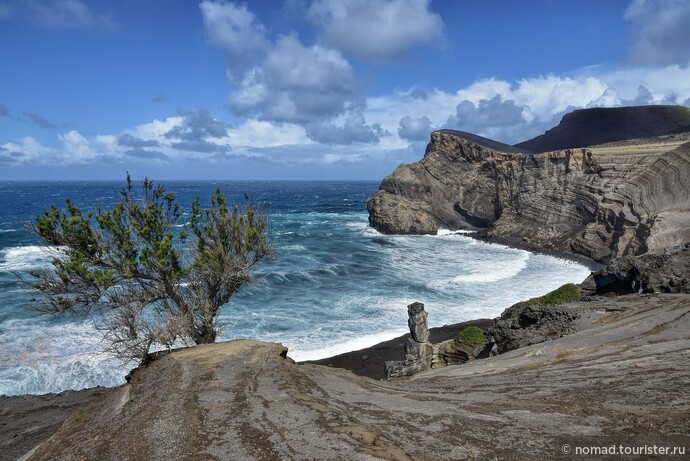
{"points": [[333, 285]]}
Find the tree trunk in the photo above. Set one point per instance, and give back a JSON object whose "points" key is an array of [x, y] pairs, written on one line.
{"points": [[204, 335]]}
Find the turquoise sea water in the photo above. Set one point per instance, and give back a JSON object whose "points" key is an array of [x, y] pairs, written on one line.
{"points": [[334, 284]]}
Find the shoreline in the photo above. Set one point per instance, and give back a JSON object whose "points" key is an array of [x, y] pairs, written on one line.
{"points": [[26, 420], [520, 244], [369, 362]]}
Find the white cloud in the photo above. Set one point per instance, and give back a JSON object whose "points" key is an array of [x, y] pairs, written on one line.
{"points": [[234, 28], [29, 150], [383, 130], [287, 82], [661, 30], [296, 84], [262, 134], [378, 30], [76, 148], [515, 111]]}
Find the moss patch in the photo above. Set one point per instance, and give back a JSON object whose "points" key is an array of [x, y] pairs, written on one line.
{"points": [[472, 335], [563, 294]]}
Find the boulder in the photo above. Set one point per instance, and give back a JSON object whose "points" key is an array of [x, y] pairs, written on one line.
{"points": [[454, 352], [524, 324], [666, 271]]}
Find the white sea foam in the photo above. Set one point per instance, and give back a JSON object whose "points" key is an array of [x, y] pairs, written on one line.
{"points": [[443, 232], [293, 248], [26, 257], [360, 342], [54, 357], [497, 270], [303, 301]]}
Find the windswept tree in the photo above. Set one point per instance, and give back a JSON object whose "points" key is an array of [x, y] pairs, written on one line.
{"points": [[150, 283]]}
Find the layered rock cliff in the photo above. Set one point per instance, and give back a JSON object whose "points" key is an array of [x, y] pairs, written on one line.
{"points": [[605, 201]]}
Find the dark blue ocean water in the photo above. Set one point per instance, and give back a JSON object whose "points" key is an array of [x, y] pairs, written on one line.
{"points": [[333, 285]]}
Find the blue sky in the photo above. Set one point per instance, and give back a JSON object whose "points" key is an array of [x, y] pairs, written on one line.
{"points": [[311, 89]]}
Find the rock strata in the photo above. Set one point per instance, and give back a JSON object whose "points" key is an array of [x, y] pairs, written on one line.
{"points": [[601, 202]]}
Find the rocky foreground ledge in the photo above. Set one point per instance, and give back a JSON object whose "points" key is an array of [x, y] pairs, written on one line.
{"points": [[621, 380]]}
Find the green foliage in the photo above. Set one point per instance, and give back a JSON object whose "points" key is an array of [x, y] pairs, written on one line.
{"points": [[563, 294], [472, 335], [151, 283]]}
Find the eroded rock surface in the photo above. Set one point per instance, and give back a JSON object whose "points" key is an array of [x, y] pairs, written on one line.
{"points": [[623, 381], [601, 202], [525, 324], [665, 271]]}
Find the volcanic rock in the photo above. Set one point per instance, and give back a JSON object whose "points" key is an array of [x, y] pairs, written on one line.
{"points": [[666, 271], [602, 202], [621, 381]]}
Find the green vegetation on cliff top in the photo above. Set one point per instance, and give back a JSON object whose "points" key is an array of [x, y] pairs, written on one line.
{"points": [[563, 294], [472, 335]]}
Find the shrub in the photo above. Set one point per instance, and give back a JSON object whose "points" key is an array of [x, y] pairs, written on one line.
{"points": [[566, 293], [472, 335]]}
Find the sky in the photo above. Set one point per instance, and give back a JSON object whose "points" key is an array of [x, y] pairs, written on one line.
{"points": [[311, 89]]}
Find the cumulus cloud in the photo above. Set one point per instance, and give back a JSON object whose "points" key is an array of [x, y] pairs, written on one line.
{"points": [[414, 129], [64, 14], [236, 29], [296, 84], [660, 28], [492, 112], [77, 148], [39, 120], [197, 125], [281, 80], [354, 130], [515, 111], [132, 141], [378, 30], [642, 98]]}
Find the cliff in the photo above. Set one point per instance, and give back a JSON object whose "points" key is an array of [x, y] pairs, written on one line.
{"points": [[624, 198], [245, 400], [586, 127]]}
